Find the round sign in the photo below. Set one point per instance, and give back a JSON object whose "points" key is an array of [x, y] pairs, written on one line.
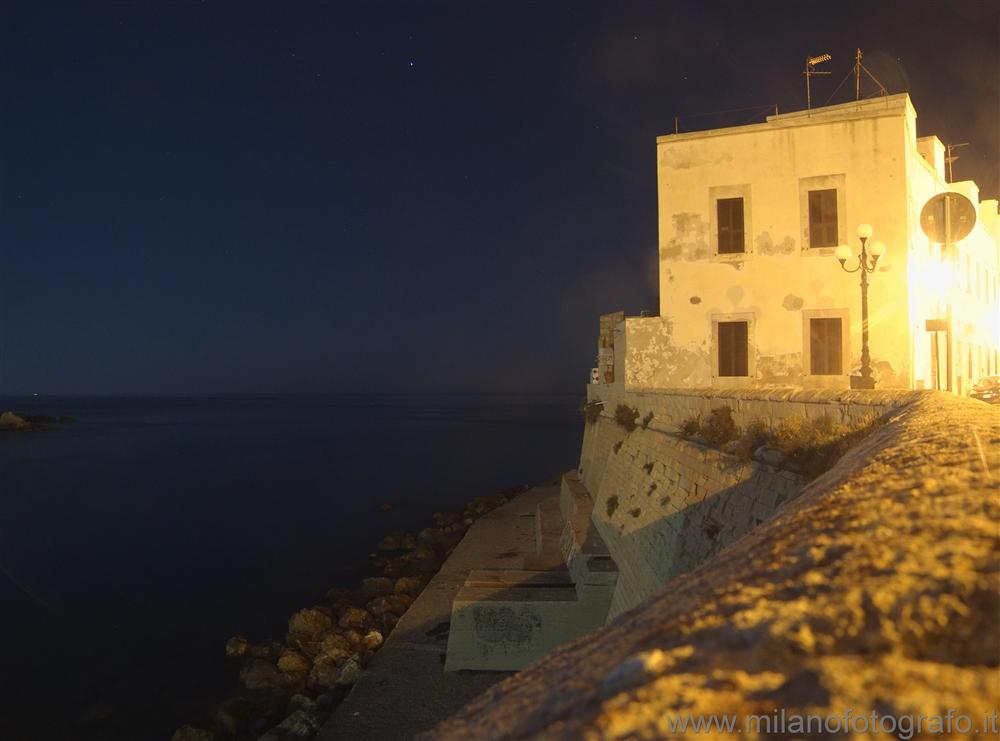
{"points": [[947, 217]]}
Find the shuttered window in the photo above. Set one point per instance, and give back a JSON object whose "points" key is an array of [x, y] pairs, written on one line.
{"points": [[733, 349], [825, 347], [729, 214], [823, 218]]}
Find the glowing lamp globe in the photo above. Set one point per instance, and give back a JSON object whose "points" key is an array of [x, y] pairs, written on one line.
{"points": [[864, 231], [877, 249], [842, 253]]}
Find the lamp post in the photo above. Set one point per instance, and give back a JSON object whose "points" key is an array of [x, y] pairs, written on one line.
{"points": [[867, 260]]}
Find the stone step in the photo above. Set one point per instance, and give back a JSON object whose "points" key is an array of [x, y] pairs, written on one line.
{"points": [[582, 547], [504, 619], [505, 627], [517, 577]]}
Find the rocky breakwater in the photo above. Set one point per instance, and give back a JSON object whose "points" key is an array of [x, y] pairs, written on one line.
{"points": [[290, 686], [11, 422]]}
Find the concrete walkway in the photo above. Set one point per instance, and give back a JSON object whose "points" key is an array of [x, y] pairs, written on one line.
{"points": [[405, 689]]}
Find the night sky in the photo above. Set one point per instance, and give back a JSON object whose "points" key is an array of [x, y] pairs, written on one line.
{"points": [[281, 197]]}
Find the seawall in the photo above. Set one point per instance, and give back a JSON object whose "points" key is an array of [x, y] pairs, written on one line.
{"points": [[664, 504], [874, 589]]}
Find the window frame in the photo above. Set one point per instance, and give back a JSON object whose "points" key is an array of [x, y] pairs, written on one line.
{"points": [[827, 380], [819, 229], [824, 350], [717, 193], [734, 245], [837, 182], [737, 333], [718, 380]]}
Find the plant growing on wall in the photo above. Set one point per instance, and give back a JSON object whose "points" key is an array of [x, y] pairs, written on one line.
{"points": [[720, 427], [808, 446], [813, 446], [626, 416], [591, 411], [755, 434], [689, 427]]}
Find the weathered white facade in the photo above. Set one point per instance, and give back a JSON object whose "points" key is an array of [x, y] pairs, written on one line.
{"points": [[742, 212]]}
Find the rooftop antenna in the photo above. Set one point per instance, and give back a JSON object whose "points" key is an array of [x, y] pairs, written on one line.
{"points": [[809, 72], [858, 68], [949, 157]]}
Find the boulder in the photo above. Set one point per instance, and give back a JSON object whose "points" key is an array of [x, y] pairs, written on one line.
{"points": [[354, 617], [397, 603], [354, 639], [230, 716], [397, 540], [389, 621], [237, 647], [11, 421], [770, 456], [301, 702], [428, 537], [300, 724], [349, 672], [376, 586], [292, 662], [409, 585], [333, 642], [310, 624], [270, 650], [372, 640], [335, 649], [260, 674], [443, 519]]}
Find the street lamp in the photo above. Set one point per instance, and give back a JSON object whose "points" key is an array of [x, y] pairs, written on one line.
{"points": [[867, 260]]}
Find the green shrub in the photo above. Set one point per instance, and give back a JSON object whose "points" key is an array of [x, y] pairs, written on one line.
{"points": [[720, 428], [626, 416], [689, 427], [755, 434], [591, 410]]}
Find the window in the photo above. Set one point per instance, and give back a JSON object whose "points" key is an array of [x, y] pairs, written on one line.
{"points": [[729, 214], [733, 349], [825, 343], [823, 218]]}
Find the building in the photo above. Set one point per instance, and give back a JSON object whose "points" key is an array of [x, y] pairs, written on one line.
{"points": [[751, 293]]}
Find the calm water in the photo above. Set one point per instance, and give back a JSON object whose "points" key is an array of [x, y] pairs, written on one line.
{"points": [[135, 541]]}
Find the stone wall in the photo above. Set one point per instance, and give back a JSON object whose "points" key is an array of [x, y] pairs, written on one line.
{"points": [[874, 589], [663, 505], [670, 406]]}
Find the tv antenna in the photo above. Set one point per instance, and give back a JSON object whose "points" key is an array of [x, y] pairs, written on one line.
{"points": [[858, 69], [811, 62], [949, 157]]}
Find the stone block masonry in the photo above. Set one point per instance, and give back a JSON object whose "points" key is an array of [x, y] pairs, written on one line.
{"points": [[663, 505]]}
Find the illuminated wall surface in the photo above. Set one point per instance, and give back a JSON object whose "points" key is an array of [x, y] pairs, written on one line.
{"points": [[868, 155]]}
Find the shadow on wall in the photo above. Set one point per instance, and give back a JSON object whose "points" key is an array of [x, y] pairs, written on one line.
{"points": [[665, 505]]}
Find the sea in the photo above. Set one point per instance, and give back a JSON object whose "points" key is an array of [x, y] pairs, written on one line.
{"points": [[137, 539]]}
